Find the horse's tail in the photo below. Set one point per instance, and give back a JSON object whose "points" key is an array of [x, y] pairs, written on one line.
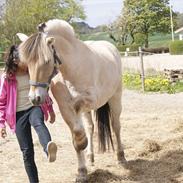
{"points": [[103, 117]]}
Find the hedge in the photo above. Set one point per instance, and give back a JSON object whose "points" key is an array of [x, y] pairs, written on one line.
{"points": [[176, 47], [156, 50], [132, 47]]}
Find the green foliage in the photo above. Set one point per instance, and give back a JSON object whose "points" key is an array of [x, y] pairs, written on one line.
{"points": [[178, 87], [25, 15], [160, 40], [152, 84], [176, 47], [159, 83], [180, 20], [96, 36], [140, 38], [133, 47], [156, 40], [132, 81]]}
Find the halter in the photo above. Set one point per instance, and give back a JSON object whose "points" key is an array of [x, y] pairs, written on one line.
{"points": [[56, 61]]}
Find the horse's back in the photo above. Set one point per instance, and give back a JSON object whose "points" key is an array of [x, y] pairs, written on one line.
{"points": [[105, 53]]}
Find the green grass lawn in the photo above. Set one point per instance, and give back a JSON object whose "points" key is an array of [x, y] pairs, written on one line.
{"points": [[157, 40], [160, 40], [96, 36]]}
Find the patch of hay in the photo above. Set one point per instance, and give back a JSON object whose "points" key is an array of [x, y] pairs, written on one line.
{"points": [[104, 176], [150, 146]]}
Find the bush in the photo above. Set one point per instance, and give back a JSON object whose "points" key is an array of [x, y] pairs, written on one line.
{"points": [[132, 81], [140, 39], [159, 83], [132, 47], [176, 47], [152, 84]]}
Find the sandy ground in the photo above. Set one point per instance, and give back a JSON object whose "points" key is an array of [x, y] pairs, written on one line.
{"points": [[152, 134]]}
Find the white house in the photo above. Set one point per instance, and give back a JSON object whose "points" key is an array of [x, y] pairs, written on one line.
{"points": [[180, 32]]}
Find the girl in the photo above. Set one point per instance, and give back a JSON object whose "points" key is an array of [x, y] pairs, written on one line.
{"points": [[17, 111]]}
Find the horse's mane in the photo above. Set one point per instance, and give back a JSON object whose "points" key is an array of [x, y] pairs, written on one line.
{"points": [[32, 48], [60, 27]]}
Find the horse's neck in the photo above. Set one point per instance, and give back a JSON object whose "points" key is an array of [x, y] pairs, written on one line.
{"points": [[68, 53]]}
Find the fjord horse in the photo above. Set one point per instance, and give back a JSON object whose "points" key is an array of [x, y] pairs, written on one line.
{"points": [[90, 78]]}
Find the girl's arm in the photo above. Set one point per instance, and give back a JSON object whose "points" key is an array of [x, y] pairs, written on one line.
{"points": [[3, 100], [49, 104], [47, 107]]}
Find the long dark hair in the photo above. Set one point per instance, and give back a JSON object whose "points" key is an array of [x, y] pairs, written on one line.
{"points": [[11, 60]]}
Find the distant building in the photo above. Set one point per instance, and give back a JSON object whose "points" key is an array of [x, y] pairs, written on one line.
{"points": [[180, 32]]}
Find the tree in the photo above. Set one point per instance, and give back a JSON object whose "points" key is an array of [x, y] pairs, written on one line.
{"points": [[25, 15], [146, 17], [180, 20], [118, 31]]}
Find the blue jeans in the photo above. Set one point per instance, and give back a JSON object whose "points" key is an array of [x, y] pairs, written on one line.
{"points": [[24, 120]]}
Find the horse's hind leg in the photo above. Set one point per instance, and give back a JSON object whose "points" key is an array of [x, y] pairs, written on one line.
{"points": [[89, 126], [116, 108]]}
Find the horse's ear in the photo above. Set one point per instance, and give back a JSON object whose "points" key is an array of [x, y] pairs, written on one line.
{"points": [[50, 40], [22, 36]]}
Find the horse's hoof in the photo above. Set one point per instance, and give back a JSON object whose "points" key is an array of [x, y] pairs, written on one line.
{"points": [[82, 177], [121, 159], [123, 163], [81, 180]]}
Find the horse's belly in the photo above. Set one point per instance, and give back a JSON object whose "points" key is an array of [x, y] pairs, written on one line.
{"points": [[106, 91]]}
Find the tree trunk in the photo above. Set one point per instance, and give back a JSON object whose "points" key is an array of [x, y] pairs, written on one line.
{"points": [[132, 36], [146, 40], [112, 37]]}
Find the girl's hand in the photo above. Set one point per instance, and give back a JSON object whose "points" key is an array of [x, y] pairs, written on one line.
{"points": [[52, 117], [3, 133]]}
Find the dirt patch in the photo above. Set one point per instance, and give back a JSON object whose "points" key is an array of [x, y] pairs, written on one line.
{"points": [[151, 130]]}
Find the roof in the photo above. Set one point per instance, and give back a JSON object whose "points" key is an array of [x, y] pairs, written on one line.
{"points": [[180, 30]]}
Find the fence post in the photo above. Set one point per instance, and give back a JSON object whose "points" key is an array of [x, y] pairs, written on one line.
{"points": [[142, 69]]}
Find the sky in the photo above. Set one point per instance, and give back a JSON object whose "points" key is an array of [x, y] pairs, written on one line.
{"points": [[106, 11]]}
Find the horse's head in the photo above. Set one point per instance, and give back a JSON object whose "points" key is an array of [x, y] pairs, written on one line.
{"points": [[38, 53]]}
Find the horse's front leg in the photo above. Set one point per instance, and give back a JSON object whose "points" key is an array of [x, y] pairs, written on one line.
{"points": [[73, 120], [82, 170], [89, 126]]}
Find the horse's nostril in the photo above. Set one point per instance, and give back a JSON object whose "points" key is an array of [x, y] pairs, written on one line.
{"points": [[38, 98]]}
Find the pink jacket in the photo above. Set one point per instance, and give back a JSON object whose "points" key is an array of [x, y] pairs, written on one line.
{"points": [[8, 100]]}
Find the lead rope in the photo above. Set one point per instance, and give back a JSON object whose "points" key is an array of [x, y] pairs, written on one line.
{"points": [[56, 60]]}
